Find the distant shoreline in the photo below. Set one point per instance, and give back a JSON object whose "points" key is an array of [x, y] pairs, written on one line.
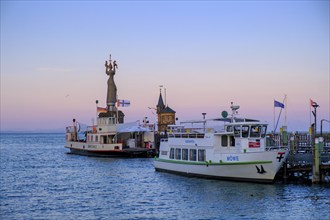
{"points": [[32, 132]]}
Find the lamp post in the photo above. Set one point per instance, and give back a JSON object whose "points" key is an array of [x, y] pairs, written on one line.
{"points": [[322, 124], [315, 150], [315, 106]]}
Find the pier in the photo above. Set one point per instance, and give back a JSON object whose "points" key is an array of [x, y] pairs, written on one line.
{"points": [[309, 159]]}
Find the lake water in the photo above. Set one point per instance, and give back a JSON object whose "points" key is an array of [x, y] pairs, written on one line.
{"points": [[39, 180]]}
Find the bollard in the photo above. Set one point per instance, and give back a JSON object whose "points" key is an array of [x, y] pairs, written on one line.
{"points": [[316, 160]]}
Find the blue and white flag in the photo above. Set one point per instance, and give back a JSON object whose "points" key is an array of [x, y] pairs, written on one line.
{"points": [[123, 103], [278, 104]]}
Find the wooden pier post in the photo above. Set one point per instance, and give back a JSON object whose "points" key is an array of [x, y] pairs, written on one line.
{"points": [[316, 160], [284, 135], [289, 161]]}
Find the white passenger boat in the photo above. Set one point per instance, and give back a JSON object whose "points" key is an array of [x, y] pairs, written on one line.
{"points": [[111, 137], [236, 152]]}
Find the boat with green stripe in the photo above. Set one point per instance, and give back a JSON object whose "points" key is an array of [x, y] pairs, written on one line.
{"points": [[236, 150]]}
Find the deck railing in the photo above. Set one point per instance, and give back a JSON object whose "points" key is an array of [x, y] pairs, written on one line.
{"points": [[185, 135], [69, 129]]}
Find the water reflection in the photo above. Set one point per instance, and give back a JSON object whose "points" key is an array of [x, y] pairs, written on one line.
{"points": [[46, 182]]}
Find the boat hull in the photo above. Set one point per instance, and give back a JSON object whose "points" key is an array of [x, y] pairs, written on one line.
{"points": [[254, 171], [103, 150], [228, 178], [143, 153]]}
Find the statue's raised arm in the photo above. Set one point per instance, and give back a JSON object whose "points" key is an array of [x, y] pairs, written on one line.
{"points": [[115, 65]]}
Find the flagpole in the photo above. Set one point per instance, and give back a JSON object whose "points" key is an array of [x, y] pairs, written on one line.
{"points": [[310, 113], [274, 116], [96, 102], [285, 106], [165, 95], [117, 111], [278, 119]]}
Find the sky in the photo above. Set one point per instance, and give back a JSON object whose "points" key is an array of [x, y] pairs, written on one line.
{"points": [[206, 54]]}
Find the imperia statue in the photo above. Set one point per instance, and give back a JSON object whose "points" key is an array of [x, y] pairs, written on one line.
{"points": [[110, 70]]}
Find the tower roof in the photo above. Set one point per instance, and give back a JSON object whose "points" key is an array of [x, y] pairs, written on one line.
{"points": [[167, 110], [160, 102]]}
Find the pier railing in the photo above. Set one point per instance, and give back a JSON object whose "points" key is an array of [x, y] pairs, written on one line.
{"points": [[298, 142], [309, 158], [301, 147]]}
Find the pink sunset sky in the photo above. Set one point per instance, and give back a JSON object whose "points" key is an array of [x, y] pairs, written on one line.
{"points": [[206, 55]]}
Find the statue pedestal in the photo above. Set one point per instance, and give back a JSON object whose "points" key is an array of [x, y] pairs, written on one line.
{"points": [[113, 114]]}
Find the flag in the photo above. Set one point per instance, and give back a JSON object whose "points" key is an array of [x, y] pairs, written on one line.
{"points": [[101, 110], [312, 103], [278, 104], [123, 103], [254, 144]]}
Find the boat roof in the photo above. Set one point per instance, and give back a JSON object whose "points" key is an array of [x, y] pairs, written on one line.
{"points": [[221, 119], [247, 123], [131, 127]]}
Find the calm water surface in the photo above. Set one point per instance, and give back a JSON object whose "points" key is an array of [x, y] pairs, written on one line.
{"points": [[39, 180]]}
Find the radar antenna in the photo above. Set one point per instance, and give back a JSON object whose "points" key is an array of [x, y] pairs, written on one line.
{"points": [[234, 109]]}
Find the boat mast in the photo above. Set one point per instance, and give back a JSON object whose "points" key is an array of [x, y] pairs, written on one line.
{"points": [[234, 109]]}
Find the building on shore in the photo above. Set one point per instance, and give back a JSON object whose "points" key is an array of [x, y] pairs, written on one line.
{"points": [[166, 115]]}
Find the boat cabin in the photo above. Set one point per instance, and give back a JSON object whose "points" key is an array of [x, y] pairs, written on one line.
{"points": [[195, 143], [244, 136]]}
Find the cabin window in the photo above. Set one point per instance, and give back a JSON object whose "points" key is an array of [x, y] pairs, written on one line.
{"points": [[237, 131], [224, 141], [229, 129], [96, 138], [255, 131], [184, 154], [111, 120], [178, 153], [232, 141], [192, 154], [245, 131], [172, 153], [201, 155], [104, 139], [164, 152], [92, 138], [200, 135]]}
